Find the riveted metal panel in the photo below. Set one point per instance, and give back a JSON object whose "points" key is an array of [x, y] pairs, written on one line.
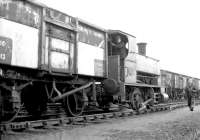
{"points": [[147, 64]]}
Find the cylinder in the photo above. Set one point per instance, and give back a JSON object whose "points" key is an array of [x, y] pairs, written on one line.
{"points": [[111, 87]]}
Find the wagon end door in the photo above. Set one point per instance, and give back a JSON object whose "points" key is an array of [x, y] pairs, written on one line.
{"points": [[60, 43]]}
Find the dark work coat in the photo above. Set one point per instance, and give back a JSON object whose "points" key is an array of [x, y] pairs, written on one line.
{"points": [[190, 95]]}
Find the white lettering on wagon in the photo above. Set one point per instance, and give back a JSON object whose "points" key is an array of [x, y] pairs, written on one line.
{"points": [[5, 50], [2, 56], [3, 43]]}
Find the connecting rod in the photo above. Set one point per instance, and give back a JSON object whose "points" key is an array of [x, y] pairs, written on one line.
{"points": [[62, 96]]}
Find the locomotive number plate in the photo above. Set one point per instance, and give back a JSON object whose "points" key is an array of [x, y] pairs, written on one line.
{"points": [[5, 50]]}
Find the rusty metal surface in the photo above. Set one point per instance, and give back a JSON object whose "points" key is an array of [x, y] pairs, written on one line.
{"points": [[91, 36], [21, 12], [60, 17]]}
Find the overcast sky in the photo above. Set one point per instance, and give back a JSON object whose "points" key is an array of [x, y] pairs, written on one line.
{"points": [[170, 27]]}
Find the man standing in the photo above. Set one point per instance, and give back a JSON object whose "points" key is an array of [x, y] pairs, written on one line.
{"points": [[189, 90]]}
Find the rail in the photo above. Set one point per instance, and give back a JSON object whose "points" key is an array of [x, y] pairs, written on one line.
{"points": [[98, 117]]}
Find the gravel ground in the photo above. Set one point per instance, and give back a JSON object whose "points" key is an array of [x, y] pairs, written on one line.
{"points": [[180, 124]]}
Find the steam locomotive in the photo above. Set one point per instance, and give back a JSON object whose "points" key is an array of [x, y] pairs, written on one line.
{"points": [[47, 56]]}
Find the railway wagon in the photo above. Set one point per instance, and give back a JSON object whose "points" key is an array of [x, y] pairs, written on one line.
{"points": [[175, 84], [49, 57]]}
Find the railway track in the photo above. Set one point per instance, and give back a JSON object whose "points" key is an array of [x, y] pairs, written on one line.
{"points": [[61, 119]]}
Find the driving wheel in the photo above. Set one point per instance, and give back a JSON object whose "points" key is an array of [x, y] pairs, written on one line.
{"points": [[136, 100]]}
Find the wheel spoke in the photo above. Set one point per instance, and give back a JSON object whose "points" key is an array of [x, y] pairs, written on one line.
{"points": [[74, 105], [136, 100]]}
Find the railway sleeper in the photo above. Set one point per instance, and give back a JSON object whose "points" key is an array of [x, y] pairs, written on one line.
{"points": [[53, 123]]}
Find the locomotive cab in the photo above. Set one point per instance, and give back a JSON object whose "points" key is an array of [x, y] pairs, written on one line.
{"points": [[117, 52]]}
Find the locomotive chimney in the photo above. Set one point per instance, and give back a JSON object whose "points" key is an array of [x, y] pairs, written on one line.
{"points": [[142, 48]]}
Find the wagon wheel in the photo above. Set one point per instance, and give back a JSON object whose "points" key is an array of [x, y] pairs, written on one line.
{"points": [[136, 100], [34, 99], [151, 95], [74, 104], [11, 115], [7, 112]]}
